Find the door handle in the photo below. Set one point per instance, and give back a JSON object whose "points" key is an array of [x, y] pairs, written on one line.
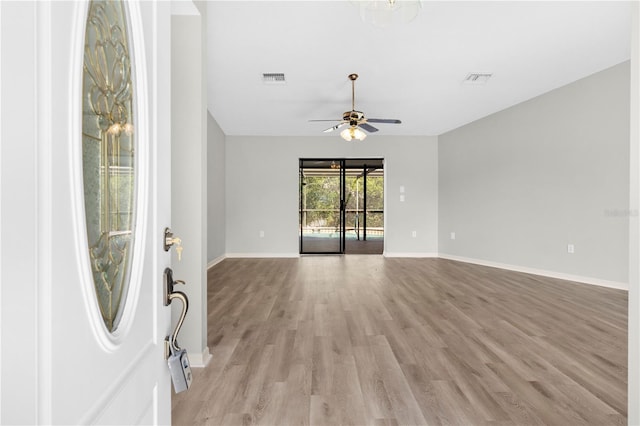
{"points": [[170, 294], [177, 358], [169, 284]]}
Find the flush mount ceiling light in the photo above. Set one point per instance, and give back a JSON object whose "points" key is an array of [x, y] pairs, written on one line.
{"points": [[352, 133], [384, 13]]}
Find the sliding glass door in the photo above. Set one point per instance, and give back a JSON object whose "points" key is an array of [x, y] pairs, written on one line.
{"points": [[364, 200], [322, 206], [341, 206]]}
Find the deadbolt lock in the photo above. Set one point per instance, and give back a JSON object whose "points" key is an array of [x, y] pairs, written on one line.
{"points": [[170, 241]]}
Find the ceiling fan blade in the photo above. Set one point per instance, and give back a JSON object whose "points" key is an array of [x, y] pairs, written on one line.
{"points": [[337, 119], [336, 127], [368, 127], [384, 120]]}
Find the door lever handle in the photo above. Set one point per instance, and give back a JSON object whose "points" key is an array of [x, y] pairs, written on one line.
{"points": [[170, 294], [177, 359], [169, 284], [185, 307]]}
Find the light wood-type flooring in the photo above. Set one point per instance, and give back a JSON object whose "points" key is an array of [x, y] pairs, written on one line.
{"points": [[368, 340]]}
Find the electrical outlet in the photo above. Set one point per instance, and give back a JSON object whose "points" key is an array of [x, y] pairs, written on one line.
{"points": [[571, 248], [453, 235], [414, 234], [261, 234]]}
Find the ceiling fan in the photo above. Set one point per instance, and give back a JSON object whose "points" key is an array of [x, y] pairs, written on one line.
{"points": [[356, 119]]}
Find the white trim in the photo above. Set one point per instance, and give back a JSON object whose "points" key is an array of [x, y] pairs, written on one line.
{"points": [[516, 268], [200, 360], [541, 272], [215, 261], [44, 191], [1, 208], [258, 255], [412, 255]]}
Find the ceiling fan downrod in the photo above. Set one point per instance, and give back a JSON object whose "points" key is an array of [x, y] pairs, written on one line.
{"points": [[353, 78]]}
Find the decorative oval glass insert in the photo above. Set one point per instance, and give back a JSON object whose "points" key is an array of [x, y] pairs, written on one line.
{"points": [[108, 155]]}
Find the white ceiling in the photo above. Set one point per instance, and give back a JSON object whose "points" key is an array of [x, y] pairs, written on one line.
{"points": [[412, 72]]}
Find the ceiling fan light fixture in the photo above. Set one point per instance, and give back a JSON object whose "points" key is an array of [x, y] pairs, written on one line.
{"points": [[356, 118], [352, 133]]}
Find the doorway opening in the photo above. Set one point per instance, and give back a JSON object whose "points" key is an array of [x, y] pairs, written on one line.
{"points": [[341, 206]]}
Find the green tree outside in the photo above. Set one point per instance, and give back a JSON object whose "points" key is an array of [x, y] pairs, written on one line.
{"points": [[321, 202]]}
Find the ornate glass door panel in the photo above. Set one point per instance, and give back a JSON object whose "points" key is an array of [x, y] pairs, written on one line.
{"points": [[108, 155]]}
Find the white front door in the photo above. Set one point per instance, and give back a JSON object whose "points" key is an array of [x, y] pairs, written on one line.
{"points": [[84, 360]]}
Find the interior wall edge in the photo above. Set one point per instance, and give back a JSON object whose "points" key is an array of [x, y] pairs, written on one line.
{"points": [[215, 261]]}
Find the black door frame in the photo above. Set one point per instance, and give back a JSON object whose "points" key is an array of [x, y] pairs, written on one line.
{"points": [[365, 164]]}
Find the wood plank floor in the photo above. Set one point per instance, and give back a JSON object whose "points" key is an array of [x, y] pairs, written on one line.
{"points": [[362, 340]]}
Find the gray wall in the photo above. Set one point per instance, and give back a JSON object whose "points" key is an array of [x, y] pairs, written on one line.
{"points": [[189, 174], [215, 191], [518, 186], [262, 190]]}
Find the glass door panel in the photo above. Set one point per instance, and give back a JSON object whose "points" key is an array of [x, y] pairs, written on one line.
{"points": [[364, 200], [375, 206], [321, 206], [354, 198]]}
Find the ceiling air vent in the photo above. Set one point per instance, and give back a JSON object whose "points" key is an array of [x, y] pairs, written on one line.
{"points": [[477, 78], [273, 78]]}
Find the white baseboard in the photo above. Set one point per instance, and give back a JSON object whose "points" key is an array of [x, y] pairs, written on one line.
{"points": [[215, 261], [264, 255], [541, 272], [200, 360], [516, 268], [399, 254]]}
